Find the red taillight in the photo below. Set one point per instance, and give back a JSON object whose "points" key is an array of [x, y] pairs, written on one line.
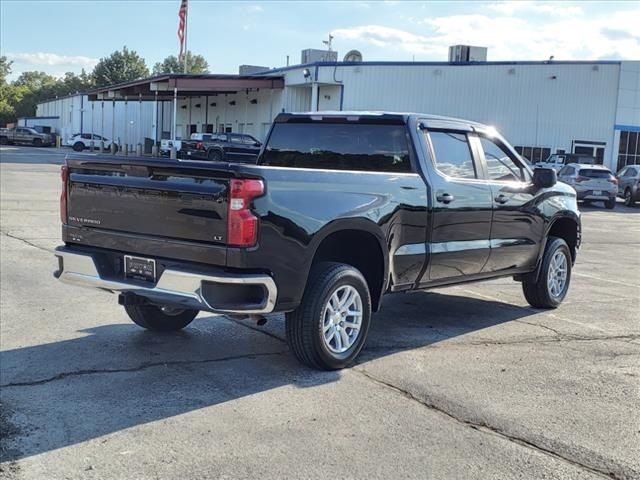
{"points": [[242, 224], [199, 146], [614, 180], [64, 176], [580, 178]]}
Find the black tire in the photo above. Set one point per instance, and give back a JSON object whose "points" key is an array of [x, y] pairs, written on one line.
{"points": [[538, 294], [78, 146], [304, 326], [37, 142], [610, 204], [628, 198], [153, 317], [4, 141], [214, 156]]}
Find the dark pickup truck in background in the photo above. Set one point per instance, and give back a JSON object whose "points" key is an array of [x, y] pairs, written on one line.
{"points": [[222, 147], [339, 209]]}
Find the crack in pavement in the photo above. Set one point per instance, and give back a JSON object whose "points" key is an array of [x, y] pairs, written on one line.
{"points": [[10, 235], [144, 366], [484, 427], [489, 429]]}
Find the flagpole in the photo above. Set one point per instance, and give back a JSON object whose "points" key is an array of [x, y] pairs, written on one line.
{"points": [[186, 21]]}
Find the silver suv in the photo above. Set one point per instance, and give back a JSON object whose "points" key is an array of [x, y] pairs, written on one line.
{"points": [[591, 182]]}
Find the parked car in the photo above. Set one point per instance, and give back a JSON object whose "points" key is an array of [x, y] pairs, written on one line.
{"points": [[559, 160], [629, 184], [166, 144], [592, 183], [26, 136], [218, 147], [82, 141], [339, 209]]}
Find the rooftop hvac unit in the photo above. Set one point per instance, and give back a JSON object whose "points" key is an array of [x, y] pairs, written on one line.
{"points": [[251, 69], [312, 55], [467, 53]]}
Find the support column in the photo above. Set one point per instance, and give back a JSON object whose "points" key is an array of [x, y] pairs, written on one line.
{"points": [[126, 126], [314, 97], [175, 113], [139, 129], [155, 119], [114, 145], [102, 126]]}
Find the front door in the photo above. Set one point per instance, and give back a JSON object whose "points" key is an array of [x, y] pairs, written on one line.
{"points": [[517, 227], [459, 244]]}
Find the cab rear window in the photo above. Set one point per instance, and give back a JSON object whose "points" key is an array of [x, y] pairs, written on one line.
{"points": [[378, 148]]}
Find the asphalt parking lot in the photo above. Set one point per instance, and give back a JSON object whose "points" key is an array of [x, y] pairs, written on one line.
{"points": [[460, 382]]}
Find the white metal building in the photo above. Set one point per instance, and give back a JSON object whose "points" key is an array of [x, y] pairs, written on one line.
{"points": [[541, 107]]}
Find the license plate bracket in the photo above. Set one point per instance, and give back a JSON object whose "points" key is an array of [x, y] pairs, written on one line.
{"points": [[140, 268], [597, 193]]}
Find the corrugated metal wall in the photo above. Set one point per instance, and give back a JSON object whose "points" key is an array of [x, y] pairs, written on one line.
{"points": [[132, 122], [524, 102]]}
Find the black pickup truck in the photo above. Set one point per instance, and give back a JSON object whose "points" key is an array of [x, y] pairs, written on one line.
{"points": [[222, 147], [339, 209]]}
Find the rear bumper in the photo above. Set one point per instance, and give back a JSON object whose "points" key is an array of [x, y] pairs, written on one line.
{"points": [[588, 195], [220, 292]]}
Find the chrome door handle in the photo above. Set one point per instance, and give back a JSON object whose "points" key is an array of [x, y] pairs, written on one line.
{"points": [[501, 199], [445, 198]]}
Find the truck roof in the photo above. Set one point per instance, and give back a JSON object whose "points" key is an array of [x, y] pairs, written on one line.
{"points": [[393, 117]]}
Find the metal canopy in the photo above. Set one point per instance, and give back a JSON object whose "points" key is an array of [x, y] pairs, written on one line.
{"points": [[162, 87]]}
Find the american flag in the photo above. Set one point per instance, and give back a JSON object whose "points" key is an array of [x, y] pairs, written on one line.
{"points": [[182, 25]]}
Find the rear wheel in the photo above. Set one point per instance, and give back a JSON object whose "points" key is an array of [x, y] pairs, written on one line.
{"points": [[329, 328], [554, 277], [160, 318], [4, 141], [628, 198], [78, 146], [610, 204], [214, 156], [37, 142]]}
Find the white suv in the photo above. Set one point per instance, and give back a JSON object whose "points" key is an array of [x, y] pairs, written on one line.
{"points": [[80, 141]]}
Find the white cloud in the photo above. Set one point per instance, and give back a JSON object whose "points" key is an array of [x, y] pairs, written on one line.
{"points": [[255, 9], [512, 7], [509, 37], [51, 63]]}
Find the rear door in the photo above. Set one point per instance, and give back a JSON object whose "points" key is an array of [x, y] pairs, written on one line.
{"points": [[459, 242], [517, 227]]}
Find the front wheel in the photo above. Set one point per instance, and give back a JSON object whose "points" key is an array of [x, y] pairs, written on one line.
{"points": [[554, 277], [37, 142], [160, 318], [329, 328]]}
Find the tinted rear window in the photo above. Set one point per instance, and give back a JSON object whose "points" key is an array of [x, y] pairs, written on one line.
{"points": [[592, 173], [378, 148]]}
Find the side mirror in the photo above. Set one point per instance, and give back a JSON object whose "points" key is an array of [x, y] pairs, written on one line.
{"points": [[545, 177]]}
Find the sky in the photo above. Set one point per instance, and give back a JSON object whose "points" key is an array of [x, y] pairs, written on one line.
{"points": [[60, 36]]}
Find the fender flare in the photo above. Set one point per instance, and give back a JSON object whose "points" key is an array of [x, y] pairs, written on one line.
{"points": [[357, 224], [564, 214]]}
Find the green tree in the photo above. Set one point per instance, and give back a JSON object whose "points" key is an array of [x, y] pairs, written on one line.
{"points": [[121, 66], [5, 69], [196, 64]]}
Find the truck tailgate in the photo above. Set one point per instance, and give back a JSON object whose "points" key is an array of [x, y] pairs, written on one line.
{"points": [[162, 199]]}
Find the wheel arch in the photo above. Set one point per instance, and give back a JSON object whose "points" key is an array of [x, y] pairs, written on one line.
{"points": [[359, 243]]}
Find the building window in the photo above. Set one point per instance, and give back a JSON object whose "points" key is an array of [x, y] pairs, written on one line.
{"points": [[534, 154], [629, 150]]}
